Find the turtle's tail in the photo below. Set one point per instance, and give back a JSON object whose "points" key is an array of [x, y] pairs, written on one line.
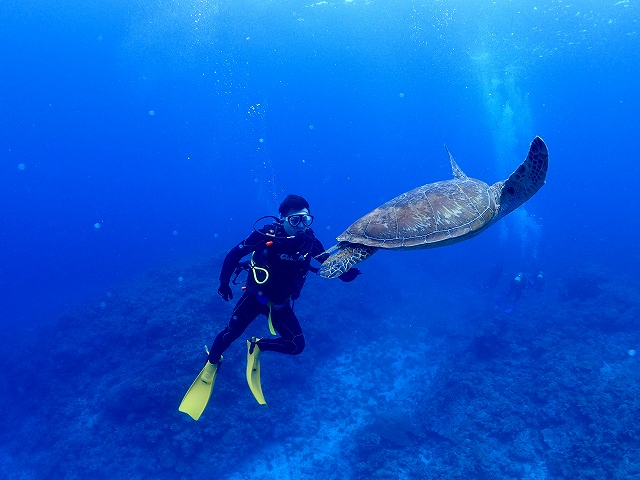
{"points": [[342, 257], [526, 180]]}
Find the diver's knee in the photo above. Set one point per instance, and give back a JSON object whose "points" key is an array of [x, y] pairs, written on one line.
{"points": [[232, 331]]}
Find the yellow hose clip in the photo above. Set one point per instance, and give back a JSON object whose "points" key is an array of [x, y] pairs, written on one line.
{"points": [[255, 270]]}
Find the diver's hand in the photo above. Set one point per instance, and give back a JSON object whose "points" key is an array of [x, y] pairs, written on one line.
{"points": [[350, 275], [224, 290]]}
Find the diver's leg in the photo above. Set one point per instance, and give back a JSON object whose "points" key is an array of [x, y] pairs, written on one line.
{"points": [[517, 292], [245, 311], [291, 340]]}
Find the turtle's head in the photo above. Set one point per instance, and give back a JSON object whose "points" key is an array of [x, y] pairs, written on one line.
{"points": [[525, 181]]}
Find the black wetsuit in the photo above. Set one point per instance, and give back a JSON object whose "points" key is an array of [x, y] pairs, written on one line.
{"points": [[279, 267]]}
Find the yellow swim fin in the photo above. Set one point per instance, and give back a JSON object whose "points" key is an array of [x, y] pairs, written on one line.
{"points": [[197, 397], [271, 329], [253, 370]]}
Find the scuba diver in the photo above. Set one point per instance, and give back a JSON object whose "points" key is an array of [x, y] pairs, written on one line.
{"points": [[281, 254], [518, 284], [511, 297], [539, 281]]}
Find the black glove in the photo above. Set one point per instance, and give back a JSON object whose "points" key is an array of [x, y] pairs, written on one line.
{"points": [[350, 275], [224, 290]]}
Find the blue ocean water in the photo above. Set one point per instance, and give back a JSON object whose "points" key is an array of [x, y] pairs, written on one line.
{"points": [[148, 136]]}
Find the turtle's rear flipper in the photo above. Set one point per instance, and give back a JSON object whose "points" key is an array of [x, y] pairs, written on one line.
{"points": [[526, 180]]}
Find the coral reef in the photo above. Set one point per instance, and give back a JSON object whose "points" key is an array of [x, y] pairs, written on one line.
{"points": [[400, 389]]}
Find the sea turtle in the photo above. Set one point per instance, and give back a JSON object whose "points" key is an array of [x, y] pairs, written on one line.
{"points": [[438, 214]]}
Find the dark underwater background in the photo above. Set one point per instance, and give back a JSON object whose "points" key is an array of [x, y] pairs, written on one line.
{"points": [[140, 141]]}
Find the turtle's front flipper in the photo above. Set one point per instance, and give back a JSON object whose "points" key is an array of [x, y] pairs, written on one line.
{"points": [[526, 180], [342, 257]]}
